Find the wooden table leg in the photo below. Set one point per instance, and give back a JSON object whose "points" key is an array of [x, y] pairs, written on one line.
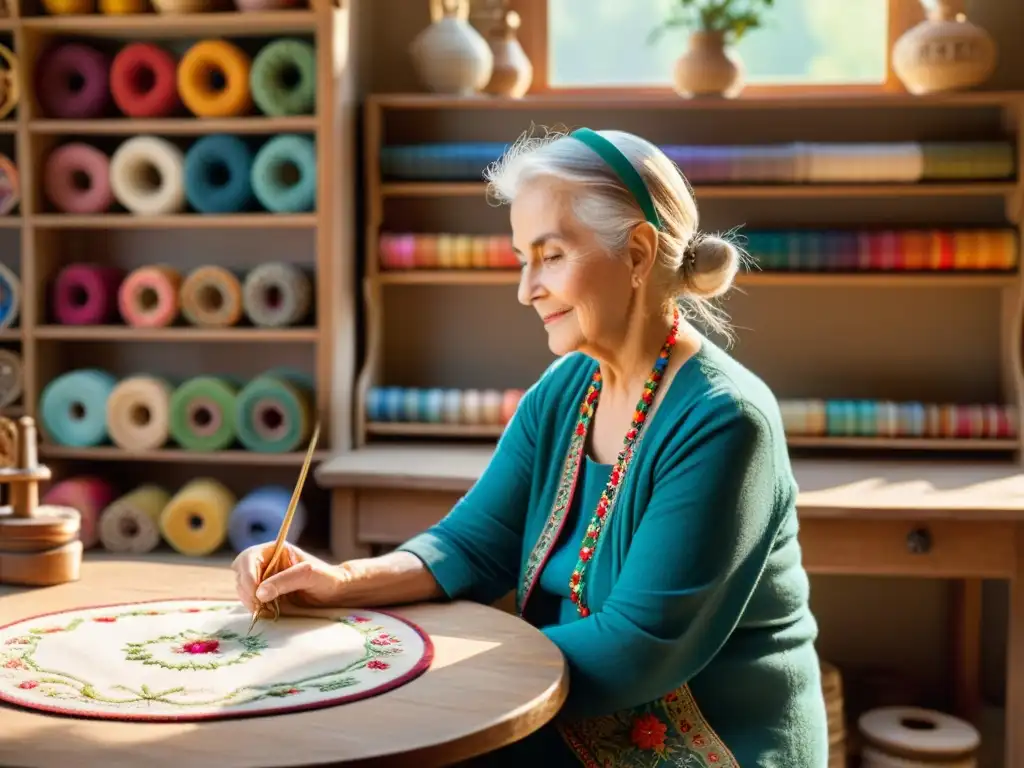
{"points": [[965, 618], [1015, 663], [345, 544]]}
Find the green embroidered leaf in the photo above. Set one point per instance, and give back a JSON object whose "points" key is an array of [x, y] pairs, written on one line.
{"points": [[336, 685]]}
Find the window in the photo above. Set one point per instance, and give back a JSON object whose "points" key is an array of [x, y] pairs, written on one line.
{"points": [[804, 45]]}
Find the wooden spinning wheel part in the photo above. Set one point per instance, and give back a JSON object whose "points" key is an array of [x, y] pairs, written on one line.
{"points": [[39, 545], [42, 569], [10, 82], [49, 527]]}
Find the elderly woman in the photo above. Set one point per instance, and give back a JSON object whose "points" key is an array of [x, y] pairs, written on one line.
{"points": [[641, 501]]}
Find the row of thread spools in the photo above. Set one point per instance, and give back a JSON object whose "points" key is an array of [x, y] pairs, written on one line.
{"points": [[870, 250], [895, 736], [879, 418], [442, 406], [166, 7], [196, 520], [270, 413], [153, 176], [209, 78], [272, 295]]}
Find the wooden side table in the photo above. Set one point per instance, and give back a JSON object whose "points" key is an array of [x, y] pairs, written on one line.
{"points": [[494, 680]]}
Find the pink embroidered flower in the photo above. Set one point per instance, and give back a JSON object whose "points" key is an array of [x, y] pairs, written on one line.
{"points": [[200, 646], [648, 732], [684, 726], [191, 610], [377, 664], [360, 619], [698, 741], [105, 619], [15, 664], [712, 757], [28, 685], [292, 691], [18, 641]]}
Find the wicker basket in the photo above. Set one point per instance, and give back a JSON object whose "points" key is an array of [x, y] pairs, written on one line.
{"points": [[832, 690]]}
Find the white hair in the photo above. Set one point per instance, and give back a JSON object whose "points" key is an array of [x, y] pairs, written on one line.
{"points": [[608, 208]]}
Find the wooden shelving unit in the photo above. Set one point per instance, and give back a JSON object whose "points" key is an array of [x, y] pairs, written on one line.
{"points": [[407, 308], [48, 240]]}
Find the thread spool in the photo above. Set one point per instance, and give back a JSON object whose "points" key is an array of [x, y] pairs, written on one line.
{"points": [[131, 523], [139, 413], [39, 544], [195, 520], [912, 737], [89, 496]]}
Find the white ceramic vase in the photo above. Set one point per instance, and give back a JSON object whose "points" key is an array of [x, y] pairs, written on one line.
{"points": [[708, 68], [450, 56], [946, 52]]}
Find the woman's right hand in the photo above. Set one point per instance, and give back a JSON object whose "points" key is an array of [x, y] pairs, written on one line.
{"points": [[298, 579]]}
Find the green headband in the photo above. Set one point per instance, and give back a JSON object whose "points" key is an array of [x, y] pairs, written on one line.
{"points": [[624, 169]]}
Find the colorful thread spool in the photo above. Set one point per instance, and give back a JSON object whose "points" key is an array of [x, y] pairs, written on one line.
{"points": [[257, 517], [148, 297], [195, 520], [139, 413], [273, 414], [209, 62], [203, 414], [131, 523], [73, 407], [276, 295], [441, 406], [86, 294], [11, 377], [211, 297], [90, 496]]}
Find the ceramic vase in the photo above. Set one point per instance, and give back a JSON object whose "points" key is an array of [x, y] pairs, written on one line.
{"points": [[512, 73], [450, 56], [945, 52], [708, 68]]}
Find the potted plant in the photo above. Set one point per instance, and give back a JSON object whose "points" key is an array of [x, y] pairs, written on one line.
{"points": [[709, 67]]}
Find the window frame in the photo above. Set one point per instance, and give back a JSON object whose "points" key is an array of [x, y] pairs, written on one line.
{"points": [[533, 36]]}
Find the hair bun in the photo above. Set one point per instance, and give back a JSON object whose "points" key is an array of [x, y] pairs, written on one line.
{"points": [[714, 266]]}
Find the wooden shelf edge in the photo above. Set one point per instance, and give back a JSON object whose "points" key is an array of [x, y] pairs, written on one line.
{"points": [[157, 24], [186, 334], [670, 101], [737, 191], [176, 125], [165, 455], [894, 278], [173, 221]]}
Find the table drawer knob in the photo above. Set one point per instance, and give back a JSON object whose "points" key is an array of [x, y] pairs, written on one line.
{"points": [[919, 541]]}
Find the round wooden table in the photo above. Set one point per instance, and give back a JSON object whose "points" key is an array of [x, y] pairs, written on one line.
{"points": [[494, 679]]}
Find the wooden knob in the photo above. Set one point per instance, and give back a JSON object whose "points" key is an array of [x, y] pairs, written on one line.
{"points": [[28, 456], [919, 541]]}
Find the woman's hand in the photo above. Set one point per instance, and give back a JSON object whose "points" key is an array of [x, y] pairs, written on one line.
{"points": [[298, 579]]}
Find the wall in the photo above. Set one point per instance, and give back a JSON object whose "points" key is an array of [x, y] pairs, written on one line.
{"points": [[864, 622]]}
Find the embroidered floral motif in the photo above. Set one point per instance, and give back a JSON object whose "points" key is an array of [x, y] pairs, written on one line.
{"points": [[196, 651], [186, 652], [668, 732], [553, 525]]}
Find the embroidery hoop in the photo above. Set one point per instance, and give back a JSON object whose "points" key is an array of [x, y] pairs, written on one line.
{"points": [[403, 661]]}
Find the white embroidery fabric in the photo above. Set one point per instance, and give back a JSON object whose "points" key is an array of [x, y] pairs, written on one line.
{"points": [[192, 660]]}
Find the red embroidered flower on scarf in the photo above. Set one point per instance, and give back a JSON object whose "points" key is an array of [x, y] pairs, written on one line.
{"points": [[648, 733], [200, 646]]}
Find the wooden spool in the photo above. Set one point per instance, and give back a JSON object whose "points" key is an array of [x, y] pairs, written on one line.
{"points": [[832, 690], [39, 545]]}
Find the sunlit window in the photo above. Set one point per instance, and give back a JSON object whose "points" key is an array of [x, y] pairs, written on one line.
{"points": [[604, 44]]}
